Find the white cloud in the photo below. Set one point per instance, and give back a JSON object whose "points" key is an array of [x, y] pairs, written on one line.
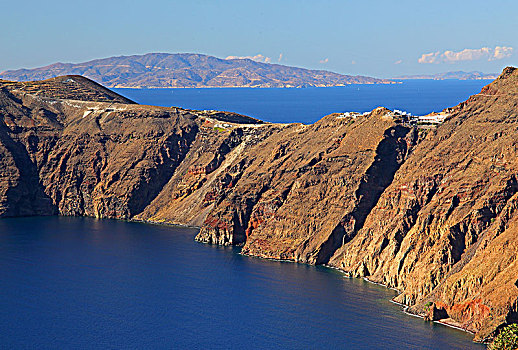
{"points": [[257, 58], [324, 61], [502, 52], [485, 53], [398, 62], [429, 57]]}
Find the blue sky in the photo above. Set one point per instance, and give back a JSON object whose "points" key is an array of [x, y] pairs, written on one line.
{"points": [[378, 38]]}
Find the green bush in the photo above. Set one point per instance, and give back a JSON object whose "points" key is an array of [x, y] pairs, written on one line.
{"points": [[427, 306], [507, 339]]}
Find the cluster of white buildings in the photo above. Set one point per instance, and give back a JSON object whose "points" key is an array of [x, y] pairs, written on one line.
{"points": [[353, 115], [432, 118]]}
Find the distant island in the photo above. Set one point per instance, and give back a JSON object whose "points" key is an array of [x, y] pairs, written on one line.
{"points": [[186, 70], [460, 75]]}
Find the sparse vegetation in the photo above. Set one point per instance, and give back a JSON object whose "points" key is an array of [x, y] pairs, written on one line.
{"points": [[507, 339], [427, 306]]}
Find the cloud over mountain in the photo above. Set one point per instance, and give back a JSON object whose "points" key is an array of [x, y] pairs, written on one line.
{"points": [[257, 58], [484, 53], [324, 61]]}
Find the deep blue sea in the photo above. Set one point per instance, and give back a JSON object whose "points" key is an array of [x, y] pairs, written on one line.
{"points": [[308, 105], [81, 283]]}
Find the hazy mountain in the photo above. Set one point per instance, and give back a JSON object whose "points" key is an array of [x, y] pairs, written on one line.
{"points": [[162, 70], [461, 75]]}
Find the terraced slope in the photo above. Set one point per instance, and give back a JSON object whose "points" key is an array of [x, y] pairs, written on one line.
{"points": [[71, 87]]}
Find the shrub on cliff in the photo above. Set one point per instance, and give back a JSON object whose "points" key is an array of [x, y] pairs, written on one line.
{"points": [[507, 339]]}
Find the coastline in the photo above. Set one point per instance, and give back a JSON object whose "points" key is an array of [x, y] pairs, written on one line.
{"points": [[343, 273], [248, 86], [404, 307]]}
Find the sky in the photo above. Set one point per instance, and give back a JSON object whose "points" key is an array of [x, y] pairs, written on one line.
{"points": [[368, 37]]}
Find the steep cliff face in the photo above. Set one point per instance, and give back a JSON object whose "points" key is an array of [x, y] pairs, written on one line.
{"points": [[444, 231], [429, 211], [98, 158], [212, 167], [20, 190], [307, 189]]}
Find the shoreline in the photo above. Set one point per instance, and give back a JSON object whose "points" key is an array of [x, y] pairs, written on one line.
{"points": [[343, 273]]}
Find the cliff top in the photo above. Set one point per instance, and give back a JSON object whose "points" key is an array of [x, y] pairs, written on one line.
{"points": [[78, 88], [68, 87]]}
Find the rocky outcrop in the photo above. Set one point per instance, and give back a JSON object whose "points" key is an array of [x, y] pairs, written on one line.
{"points": [[429, 211]]}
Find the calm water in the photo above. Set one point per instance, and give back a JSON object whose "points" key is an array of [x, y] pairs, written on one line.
{"points": [[418, 97], [84, 283]]}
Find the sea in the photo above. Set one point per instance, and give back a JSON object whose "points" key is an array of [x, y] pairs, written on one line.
{"points": [[308, 105], [83, 283]]}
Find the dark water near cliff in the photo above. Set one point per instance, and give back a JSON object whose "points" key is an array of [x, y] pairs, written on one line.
{"points": [[86, 283], [418, 97]]}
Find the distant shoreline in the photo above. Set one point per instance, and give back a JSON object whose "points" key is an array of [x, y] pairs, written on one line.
{"points": [[252, 87]]}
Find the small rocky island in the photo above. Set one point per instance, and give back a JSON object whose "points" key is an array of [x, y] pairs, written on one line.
{"points": [[429, 210]]}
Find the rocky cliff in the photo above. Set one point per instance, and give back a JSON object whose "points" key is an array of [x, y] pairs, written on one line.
{"points": [[444, 232], [429, 211], [103, 157]]}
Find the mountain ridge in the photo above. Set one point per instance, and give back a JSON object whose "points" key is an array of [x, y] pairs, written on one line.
{"points": [[460, 75], [187, 70]]}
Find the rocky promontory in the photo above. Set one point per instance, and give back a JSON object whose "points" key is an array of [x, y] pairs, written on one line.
{"points": [[430, 211]]}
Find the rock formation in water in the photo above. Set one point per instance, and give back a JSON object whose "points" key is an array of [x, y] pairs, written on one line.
{"points": [[430, 211], [162, 70]]}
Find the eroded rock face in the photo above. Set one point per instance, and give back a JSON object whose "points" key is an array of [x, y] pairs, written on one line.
{"points": [[307, 189], [431, 212], [96, 158], [444, 230]]}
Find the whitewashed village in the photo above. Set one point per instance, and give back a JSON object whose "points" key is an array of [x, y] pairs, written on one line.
{"points": [[404, 117]]}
